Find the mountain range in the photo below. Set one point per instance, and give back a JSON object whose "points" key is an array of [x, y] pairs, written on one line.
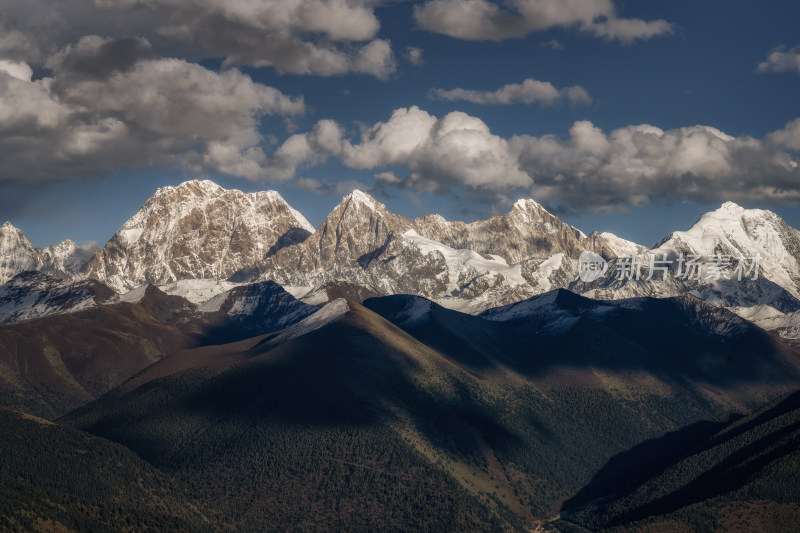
{"points": [[224, 366], [199, 240]]}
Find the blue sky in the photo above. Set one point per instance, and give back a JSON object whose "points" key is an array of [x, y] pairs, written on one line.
{"points": [[102, 105]]}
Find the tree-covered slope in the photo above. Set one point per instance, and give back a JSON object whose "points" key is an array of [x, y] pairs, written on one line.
{"points": [[345, 421], [741, 476], [56, 478]]}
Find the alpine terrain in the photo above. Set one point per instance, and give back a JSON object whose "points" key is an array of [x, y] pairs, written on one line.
{"points": [[220, 365]]}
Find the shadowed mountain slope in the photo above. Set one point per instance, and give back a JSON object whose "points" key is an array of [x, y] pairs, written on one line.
{"points": [[346, 420], [645, 343], [54, 364], [55, 478], [729, 477]]}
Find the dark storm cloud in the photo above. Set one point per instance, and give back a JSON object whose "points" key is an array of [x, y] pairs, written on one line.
{"points": [[484, 20], [321, 37], [100, 59]]}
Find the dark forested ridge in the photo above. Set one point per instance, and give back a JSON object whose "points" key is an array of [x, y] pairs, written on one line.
{"points": [[55, 478], [740, 476], [298, 438], [361, 426]]}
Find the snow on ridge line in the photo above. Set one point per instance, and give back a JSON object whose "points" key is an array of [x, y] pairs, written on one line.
{"points": [[298, 216], [522, 203], [30, 309], [456, 258], [198, 291], [362, 198], [213, 304], [275, 196], [329, 313], [204, 184], [623, 247], [546, 304], [757, 313], [418, 310], [23, 301], [521, 309], [133, 295]]}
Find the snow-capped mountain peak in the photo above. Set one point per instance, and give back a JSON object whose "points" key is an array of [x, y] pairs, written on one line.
{"points": [[730, 213], [195, 186], [731, 207], [358, 197], [731, 257], [733, 230], [10, 234], [200, 239], [66, 259], [16, 253], [356, 228], [197, 230], [529, 212], [527, 231], [527, 204]]}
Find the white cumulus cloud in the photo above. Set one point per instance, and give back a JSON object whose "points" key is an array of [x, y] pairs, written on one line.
{"points": [[589, 169], [628, 166], [112, 103], [528, 92], [457, 149], [787, 137], [782, 59]]}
